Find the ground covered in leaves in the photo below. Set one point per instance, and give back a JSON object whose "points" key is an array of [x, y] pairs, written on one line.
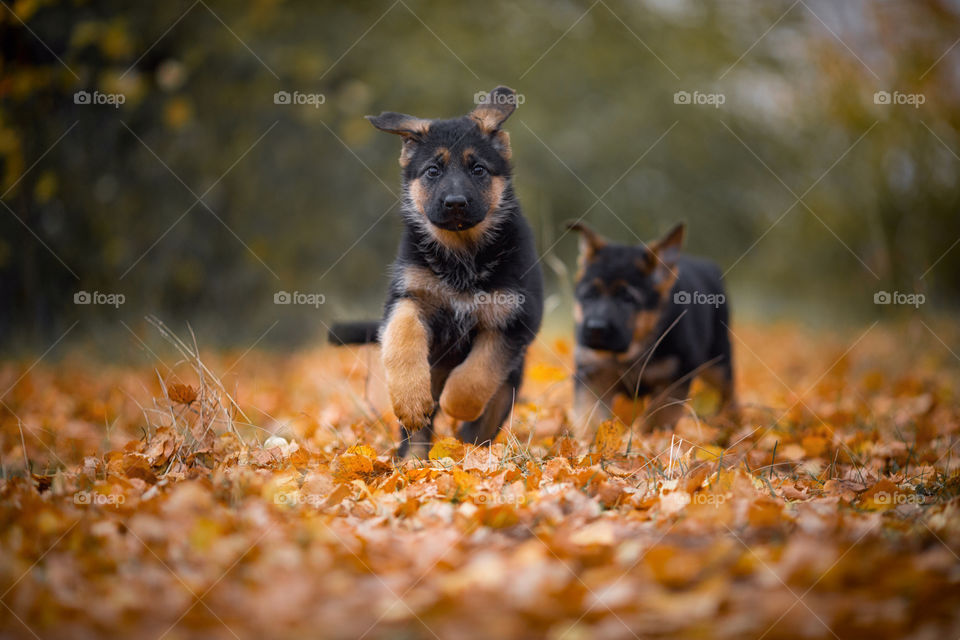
{"points": [[250, 495]]}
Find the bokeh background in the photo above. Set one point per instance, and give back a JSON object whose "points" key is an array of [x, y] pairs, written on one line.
{"points": [[200, 197]]}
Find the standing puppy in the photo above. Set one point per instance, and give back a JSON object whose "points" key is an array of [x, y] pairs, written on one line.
{"points": [[466, 298], [648, 320]]}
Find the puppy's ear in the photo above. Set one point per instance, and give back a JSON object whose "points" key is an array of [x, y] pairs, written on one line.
{"points": [[493, 109], [665, 252], [590, 241], [667, 248], [411, 128], [491, 112]]}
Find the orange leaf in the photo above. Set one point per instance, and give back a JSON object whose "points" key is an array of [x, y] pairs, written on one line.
{"points": [[181, 393], [447, 448]]}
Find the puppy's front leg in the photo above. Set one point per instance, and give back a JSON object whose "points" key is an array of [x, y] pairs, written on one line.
{"points": [[405, 352], [474, 381]]}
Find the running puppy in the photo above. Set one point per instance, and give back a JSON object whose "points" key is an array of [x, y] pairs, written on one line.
{"points": [[466, 296], [648, 320]]}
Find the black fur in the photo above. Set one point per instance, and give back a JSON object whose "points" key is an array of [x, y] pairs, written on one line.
{"points": [[344, 333]]}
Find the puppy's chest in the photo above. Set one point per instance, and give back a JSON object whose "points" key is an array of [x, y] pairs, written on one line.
{"points": [[473, 306], [633, 373]]}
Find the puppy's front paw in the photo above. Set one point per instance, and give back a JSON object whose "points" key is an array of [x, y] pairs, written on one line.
{"points": [[462, 397], [412, 402]]}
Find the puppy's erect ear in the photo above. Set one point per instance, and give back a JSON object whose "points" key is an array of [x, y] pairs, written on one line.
{"points": [[665, 252], [667, 248], [493, 109], [491, 112], [411, 128], [590, 241]]}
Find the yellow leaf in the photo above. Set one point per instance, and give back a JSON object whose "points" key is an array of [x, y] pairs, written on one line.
{"points": [[708, 452], [609, 437], [546, 373], [362, 450], [447, 448], [351, 466]]}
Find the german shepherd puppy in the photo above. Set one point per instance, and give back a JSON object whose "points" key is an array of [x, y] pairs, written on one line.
{"points": [[648, 320], [466, 297]]}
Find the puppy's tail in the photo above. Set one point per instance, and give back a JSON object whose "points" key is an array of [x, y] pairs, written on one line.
{"points": [[342, 333]]}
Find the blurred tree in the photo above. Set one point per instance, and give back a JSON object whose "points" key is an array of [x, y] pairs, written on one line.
{"points": [[199, 197]]}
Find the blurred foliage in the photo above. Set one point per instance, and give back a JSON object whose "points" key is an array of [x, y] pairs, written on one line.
{"points": [[293, 196]]}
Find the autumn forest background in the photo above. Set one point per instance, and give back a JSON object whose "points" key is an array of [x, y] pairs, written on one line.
{"points": [[182, 455]]}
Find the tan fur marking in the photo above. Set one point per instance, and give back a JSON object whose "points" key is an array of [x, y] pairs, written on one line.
{"points": [[406, 152], [668, 279], [419, 196], [492, 310], [642, 264], [444, 154], [405, 349], [418, 126], [644, 322], [487, 118], [467, 155], [498, 185], [502, 142], [474, 381]]}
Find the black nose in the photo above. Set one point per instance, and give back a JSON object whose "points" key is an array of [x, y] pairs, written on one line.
{"points": [[455, 203], [596, 324], [598, 333]]}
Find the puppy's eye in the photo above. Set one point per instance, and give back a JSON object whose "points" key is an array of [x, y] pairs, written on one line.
{"points": [[479, 170], [626, 294], [587, 292], [433, 171]]}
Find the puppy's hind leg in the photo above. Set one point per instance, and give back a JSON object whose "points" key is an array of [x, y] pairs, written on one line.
{"points": [[415, 444], [720, 377], [484, 429]]}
